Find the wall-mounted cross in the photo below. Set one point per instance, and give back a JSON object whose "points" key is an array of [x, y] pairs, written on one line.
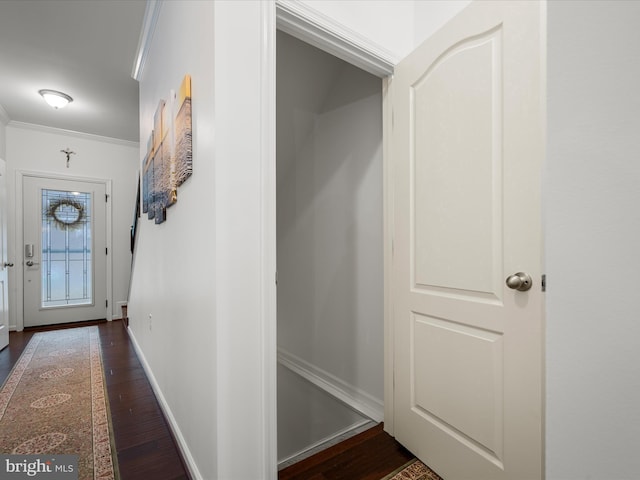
{"points": [[68, 153]]}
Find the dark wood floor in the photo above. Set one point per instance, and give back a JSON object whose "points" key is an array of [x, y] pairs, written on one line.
{"points": [[145, 446], [370, 455]]}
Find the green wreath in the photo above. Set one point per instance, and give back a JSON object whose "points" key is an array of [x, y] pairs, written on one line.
{"points": [[61, 221]]}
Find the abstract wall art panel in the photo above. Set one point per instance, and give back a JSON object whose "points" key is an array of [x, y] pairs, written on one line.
{"points": [[146, 175], [169, 160], [183, 149], [158, 191], [148, 192]]}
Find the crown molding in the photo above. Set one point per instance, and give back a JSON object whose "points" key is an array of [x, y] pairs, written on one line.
{"points": [[311, 26], [71, 133], [151, 14], [302, 22]]}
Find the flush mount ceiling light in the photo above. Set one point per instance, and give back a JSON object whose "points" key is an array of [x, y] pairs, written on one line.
{"points": [[55, 99]]}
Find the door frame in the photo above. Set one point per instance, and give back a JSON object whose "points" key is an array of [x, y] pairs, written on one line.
{"points": [[19, 236], [312, 27], [4, 253], [322, 32]]}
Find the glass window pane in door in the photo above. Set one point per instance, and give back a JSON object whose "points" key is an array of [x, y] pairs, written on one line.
{"points": [[66, 249]]}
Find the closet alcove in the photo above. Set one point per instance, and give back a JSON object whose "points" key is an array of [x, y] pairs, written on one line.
{"points": [[329, 247]]}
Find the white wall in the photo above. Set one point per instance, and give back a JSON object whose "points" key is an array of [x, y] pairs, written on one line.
{"points": [[4, 119], [245, 231], [592, 235], [201, 274], [330, 279], [37, 149], [173, 299], [430, 15], [388, 23], [397, 26]]}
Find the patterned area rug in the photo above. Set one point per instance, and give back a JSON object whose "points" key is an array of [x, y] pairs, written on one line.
{"points": [[53, 402], [414, 470]]}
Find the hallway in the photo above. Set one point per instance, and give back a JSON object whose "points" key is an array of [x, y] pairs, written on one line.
{"points": [[145, 446]]}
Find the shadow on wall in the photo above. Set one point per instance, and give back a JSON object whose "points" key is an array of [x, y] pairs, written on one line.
{"points": [[329, 196]]}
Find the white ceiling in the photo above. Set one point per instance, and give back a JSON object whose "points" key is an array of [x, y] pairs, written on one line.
{"points": [[84, 48]]}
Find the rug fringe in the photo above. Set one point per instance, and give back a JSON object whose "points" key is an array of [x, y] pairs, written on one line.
{"points": [[413, 470], [398, 470]]}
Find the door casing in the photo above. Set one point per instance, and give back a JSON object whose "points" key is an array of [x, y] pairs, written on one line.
{"points": [[19, 240], [4, 273]]}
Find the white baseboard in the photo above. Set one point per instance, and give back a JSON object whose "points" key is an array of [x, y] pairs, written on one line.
{"points": [[327, 442], [354, 397], [175, 429], [118, 314]]}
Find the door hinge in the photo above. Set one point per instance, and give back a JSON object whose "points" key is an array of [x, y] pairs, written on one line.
{"points": [[106, 197], [106, 304], [544, 282], [276, 278], [106, 251]]}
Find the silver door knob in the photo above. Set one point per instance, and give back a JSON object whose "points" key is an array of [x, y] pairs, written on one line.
{"points": [[31, 263], [519, 281], [8, 264]]}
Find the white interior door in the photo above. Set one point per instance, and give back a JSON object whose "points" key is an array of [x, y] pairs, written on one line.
{"points": [[4, 264], [467, 147], [64, 251]]}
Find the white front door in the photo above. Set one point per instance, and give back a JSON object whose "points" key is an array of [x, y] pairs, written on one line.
{"points": [[467, 148], [64, 251], [4, 263]]}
